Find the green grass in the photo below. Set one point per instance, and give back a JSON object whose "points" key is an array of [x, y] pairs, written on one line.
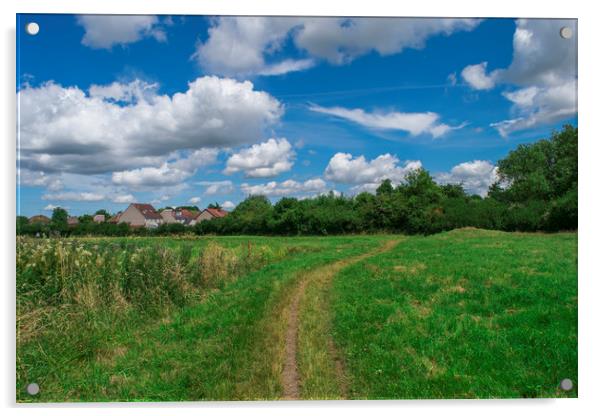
{"points": [[463, 314], [222, 347]]}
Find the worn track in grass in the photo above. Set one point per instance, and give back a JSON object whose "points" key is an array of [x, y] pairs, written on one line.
{"points": [[318, 278]]}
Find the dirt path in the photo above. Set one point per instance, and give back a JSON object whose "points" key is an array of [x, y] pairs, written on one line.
{"points": [[322, 276]]}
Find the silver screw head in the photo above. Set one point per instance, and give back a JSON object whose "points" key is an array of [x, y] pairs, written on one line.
{"points": [[33, 389], [566, 384], [32, 28], [566, 32]]}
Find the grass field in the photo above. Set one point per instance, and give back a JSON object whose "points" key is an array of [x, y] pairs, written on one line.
{"points": [[468, 314]]}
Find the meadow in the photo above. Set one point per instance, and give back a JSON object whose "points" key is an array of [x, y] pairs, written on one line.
{"points": [[461, 314]]}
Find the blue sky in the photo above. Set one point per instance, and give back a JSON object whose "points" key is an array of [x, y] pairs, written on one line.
{"points": [[179, 110]]}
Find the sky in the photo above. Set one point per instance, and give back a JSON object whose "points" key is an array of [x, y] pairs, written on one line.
{"points": [[193, 110]]}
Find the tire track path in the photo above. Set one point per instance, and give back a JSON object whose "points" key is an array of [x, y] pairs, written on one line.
{"points": [[322, 276]]}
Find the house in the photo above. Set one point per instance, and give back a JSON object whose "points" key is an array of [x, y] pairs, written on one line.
{"points": [[99, 218], [39, 219], [209, 214], [141, 215], [169, 216], [187, 217], [181, 216], [72, 221], [115, 218]]}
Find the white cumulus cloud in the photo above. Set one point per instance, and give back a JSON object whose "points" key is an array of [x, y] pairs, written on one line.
{"points": [[124, 199], [476, 76], [286, 188], [243, 46], [475, 176], [216, 187], [169, 173], [262, 160], [367, 175], [228, 205], [194, 200], [27, 177], [106, 31], [51, 207], [64, 129], [542, 75]]}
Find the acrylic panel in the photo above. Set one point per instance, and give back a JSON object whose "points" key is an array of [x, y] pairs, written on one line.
{"points": [[295, 208]]}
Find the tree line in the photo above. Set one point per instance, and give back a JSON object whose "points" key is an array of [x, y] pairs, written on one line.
{"points": [[536, 190]]}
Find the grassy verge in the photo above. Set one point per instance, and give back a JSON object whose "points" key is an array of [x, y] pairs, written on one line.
{"points": [[463, 314]]}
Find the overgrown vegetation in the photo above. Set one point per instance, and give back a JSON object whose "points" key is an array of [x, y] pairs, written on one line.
{"points": [[74, 296]]}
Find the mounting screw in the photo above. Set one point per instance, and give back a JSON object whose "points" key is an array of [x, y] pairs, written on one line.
{"points": [[33, 389], [566, 32], [32, 28], [566, 384]]}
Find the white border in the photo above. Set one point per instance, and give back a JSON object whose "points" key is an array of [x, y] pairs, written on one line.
{"points": [[590, 278]]}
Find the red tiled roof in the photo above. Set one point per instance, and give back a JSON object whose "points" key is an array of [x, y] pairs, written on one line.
{"points": [[216, 212], [189, 214], [148, 211]]}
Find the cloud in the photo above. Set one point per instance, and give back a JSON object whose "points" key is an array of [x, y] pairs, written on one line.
{"points": [[476, 76], [216, 187], [542, 75], [534, 106], [475, 176], [286, 188], [51, 207], [124, 199], [237, 46], [169, 173], [30, 178], [413, 123], [74, 196], [64, 129], [89, 197], [243, 46], [161, 199], [194, 200], [286, 66], [541, 56], [367, 175], [132, 92], [262, 160], [341, 40], [106, 31], [228, 205]]}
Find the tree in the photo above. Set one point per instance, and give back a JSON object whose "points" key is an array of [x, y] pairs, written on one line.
{"points": [[385, 188], [541, 178], [422, 207], [22, 223], [85, 219], [58, 222], [215, 205]]}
